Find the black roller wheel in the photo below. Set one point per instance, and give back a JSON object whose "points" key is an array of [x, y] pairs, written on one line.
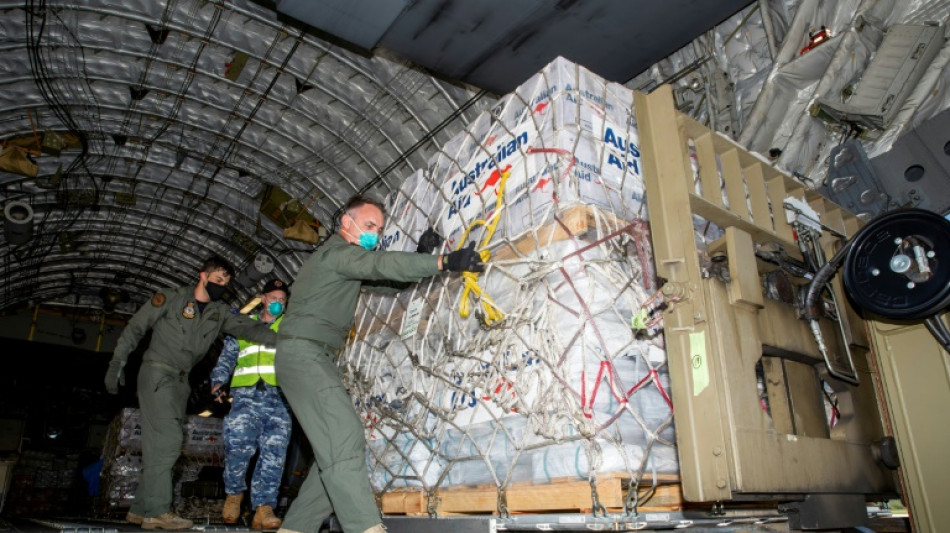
{"points": [[898, 266]]}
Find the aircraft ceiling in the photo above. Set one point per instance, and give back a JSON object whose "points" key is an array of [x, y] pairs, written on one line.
{"points": [[158, 127]]}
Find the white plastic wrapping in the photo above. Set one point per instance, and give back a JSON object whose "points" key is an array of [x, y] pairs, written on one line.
{"points": [[202, 446], [560, 387]]}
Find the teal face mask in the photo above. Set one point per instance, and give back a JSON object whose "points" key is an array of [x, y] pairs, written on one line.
{"points": [[275, 309], [369, 240]]}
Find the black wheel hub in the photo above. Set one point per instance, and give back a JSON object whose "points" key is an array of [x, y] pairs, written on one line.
{"points": [[898, 266]]}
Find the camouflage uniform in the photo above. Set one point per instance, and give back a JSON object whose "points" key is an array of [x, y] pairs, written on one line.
{"points": [[319, 316], [181, 336], [259, 419]]}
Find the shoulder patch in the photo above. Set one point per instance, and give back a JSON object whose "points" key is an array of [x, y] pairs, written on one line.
{"points": [[158, 300]]}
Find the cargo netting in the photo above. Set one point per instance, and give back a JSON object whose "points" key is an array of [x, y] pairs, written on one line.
{"points": [[551, 364]]}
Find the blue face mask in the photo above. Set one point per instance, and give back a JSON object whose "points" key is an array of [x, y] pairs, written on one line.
{"points": [[275, 309]]}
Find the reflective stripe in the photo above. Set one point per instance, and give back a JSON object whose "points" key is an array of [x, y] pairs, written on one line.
{"points": [[254, 370], [254, 349], [255, 362]]}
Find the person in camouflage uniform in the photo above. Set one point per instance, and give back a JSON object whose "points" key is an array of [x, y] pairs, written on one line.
{"points": [[184, 322], [325, 294], [259, 419]]}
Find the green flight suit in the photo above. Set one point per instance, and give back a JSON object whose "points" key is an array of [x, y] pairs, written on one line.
{"points": [[318, 318], [178, 342]]}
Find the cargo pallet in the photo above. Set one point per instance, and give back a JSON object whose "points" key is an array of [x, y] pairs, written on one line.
{"points": [[733, 459]]}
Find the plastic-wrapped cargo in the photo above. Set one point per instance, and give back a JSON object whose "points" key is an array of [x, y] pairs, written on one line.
{"points": [[545, 379], [202, 437], [40, 484], [202, 446]]}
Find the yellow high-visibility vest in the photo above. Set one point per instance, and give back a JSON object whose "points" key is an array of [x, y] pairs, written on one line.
{"points": [[255, 361]]}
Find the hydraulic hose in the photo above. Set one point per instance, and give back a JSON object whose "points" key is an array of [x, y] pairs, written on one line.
{"points": [[824, 274], [939, 330]]}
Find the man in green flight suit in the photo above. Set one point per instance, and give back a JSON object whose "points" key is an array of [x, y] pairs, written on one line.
{"points": [[184, 322], [319, 316]]}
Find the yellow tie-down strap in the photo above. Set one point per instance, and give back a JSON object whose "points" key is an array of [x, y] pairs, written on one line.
{"points": [[491, 313]]}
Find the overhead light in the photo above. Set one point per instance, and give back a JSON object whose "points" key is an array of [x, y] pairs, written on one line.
{"points": [[111, 297], [205, 414]]}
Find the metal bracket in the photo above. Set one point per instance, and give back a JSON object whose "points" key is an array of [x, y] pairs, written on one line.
{"points": [[915, 172], [597, 508], [503, 511], [674, 291], [853, 183], [632, 501], [432, 504], [828, 511]]}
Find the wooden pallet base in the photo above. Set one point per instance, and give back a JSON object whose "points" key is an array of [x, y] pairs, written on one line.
{"points": [[564, 495]]}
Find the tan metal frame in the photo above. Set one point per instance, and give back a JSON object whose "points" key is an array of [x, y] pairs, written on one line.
{"points": [[729, 447], [915, 383]]}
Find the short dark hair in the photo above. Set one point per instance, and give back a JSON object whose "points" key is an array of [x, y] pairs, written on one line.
{"points": [[359, 201], [215, 263]]}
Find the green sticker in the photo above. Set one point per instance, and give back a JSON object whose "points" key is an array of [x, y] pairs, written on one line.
{"points": [[698, 362], [639, 320]]}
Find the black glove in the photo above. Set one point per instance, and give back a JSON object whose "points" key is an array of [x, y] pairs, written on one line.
{"points": [[464, 260], [428, 241]]}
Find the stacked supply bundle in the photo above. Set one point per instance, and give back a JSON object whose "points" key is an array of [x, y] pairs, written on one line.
{"points": [[41, 484], [544, 378], [202, 447], [122, 460]]}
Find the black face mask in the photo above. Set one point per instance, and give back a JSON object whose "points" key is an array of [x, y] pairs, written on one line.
{"points": [[215, 291]]}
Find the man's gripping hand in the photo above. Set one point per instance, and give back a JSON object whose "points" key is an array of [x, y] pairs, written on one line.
{"points": [[465, 260]]}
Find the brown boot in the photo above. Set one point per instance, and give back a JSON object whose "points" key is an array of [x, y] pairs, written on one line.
{"points": [[264, 518], [133, 518], [167, 520], [232, 508]]}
